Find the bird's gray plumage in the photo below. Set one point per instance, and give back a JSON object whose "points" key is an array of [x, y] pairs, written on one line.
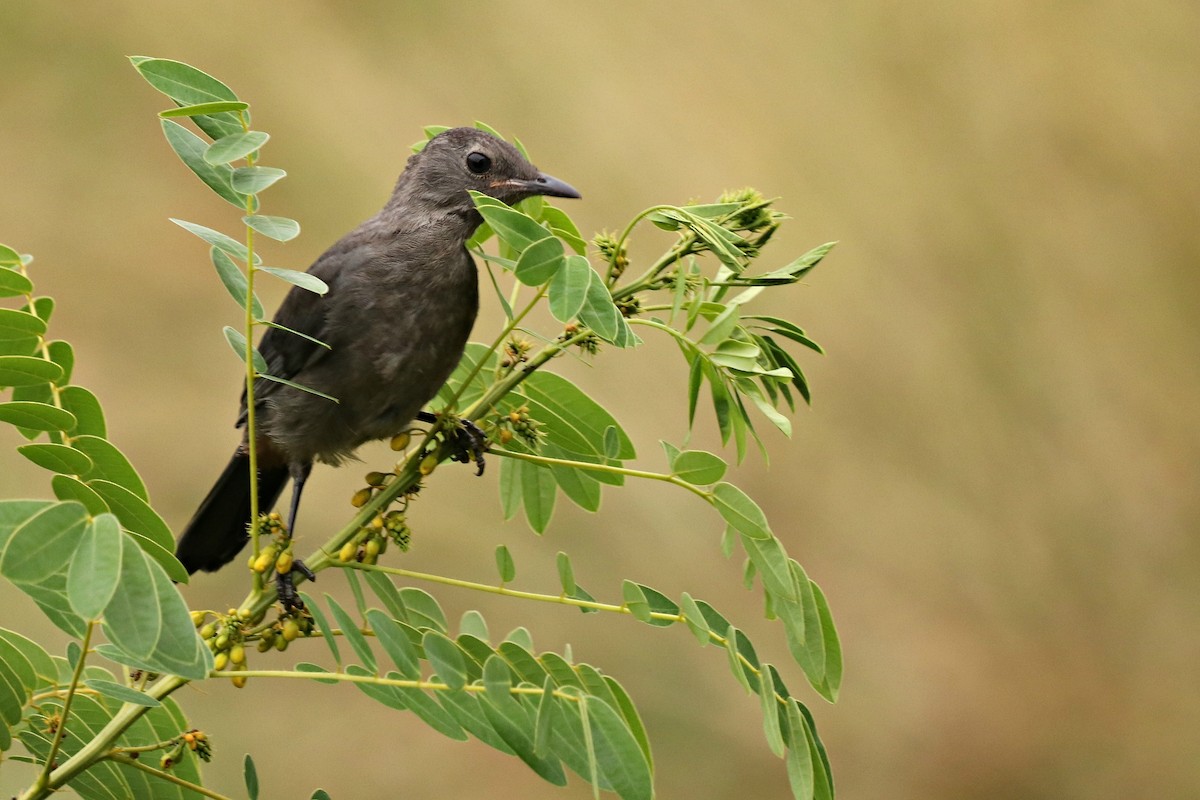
{"points": [[403, 296]]}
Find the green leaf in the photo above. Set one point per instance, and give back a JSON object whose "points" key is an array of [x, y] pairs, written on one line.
{"points": [[694, 617], [833, 647], [569, 288], [121, 693], [187, 86], [320, 794], [9, 257], [618, 754], [698, 467], [301, 387], [323, 626], [511, 486], [281, 229], [769, 558], [238, 342], [740, 511], [133, 619], [272, 324], [95, 567], [515, 229], [563, 227], [252, 180], [20, 328], [566, 574], [83, 405], [504, 564], [473, 624], [395, 643], [233, 279], [446, 658], [218, 240], [36, 416], [598, 312], [13, 283], [202, 109], [110, 464], [40, 546], [235, 146], [573, 420], [28, 371], [722, 325], [135, 514], [191, 149], [770, 711], [352, 634], [304, 280], [423, 610], [800, 762], [540, 262], [63, 354], [577, 484], [635, 601], [250, 777], [57, 458], [68, 488], [538, 490]]}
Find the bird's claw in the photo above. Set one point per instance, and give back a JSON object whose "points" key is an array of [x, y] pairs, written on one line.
{"points": [[285, 587], [472, 443]]}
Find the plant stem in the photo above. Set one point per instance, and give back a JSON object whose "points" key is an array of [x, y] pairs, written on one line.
{"points": [[166, 776], [44, 779], [403, 683], [102, 742], [587, 465]]}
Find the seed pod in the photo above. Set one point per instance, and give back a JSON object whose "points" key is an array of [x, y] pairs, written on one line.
{"points": [[400, 441], [428, 464], [360, 498]]}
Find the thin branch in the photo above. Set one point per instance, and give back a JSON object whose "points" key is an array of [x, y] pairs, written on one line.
{"points": [[166, 776]]}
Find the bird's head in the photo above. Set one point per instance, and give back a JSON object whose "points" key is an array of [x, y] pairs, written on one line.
{"points": [[460, 159]]}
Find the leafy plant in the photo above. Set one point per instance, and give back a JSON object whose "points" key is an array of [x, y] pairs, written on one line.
{"points": [[97, 559]]}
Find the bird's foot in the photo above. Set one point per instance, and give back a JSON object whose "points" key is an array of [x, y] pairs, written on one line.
{"points": [[285, 587], [472, 443]]}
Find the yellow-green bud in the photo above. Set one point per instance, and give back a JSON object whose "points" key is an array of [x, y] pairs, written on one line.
{"points": [[360, 498], [428, 464], [400, 441], [284, 565], [290, 630], [221, 660], [375, 478], [347, 552]]}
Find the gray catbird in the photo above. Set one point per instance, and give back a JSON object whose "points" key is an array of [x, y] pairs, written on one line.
{"points": [[403, 295]]}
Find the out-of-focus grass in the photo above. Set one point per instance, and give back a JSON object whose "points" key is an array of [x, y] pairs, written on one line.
{"points": [[996, 486]]}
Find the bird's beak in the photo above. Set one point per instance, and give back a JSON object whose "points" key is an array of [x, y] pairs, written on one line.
{"points": [[546, 185]]}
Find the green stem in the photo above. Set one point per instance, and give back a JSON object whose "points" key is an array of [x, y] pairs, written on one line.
{"points": [[587, 465], [504, 334], [404, 683], [102, 742], [44, 779], [166, 776]]}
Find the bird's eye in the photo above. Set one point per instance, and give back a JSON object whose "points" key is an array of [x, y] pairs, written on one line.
{"points": [[478, 163]]}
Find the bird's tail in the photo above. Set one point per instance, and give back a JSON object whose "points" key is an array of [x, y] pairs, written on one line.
{"points": [[218, 529]]}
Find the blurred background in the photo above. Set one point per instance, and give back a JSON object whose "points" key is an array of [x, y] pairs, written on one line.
{"points": [[995, 485]]}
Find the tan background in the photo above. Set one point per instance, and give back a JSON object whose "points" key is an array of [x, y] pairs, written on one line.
{"points": [[996, 485]]}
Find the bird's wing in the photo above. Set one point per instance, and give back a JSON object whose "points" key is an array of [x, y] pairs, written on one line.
{"points": [[286, 353]]}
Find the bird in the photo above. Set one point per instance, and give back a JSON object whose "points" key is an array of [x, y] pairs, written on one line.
{"points": [[402, 299]]}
